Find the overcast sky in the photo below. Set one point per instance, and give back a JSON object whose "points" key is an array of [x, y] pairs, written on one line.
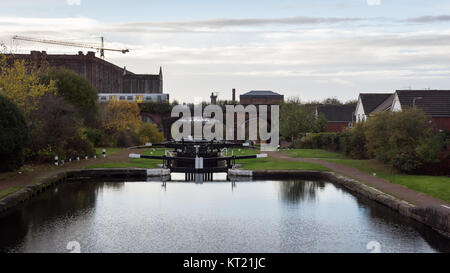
{"points": [[310, 49]]}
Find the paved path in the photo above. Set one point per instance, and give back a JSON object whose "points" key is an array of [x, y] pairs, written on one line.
{"points": [[400, 191], [14, 179]]}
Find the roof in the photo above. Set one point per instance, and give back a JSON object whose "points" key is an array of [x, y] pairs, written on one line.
{"points": [[371, 101], [261, 94], [434, 103], [337, 113], [385, 105]]}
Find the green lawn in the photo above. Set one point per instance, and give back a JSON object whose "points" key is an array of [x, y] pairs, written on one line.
{"points": [[436, 186], [133, 162], [312, 153], [270, 163], [109, 151]]}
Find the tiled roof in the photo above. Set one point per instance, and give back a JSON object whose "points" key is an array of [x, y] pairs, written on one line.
{"points": [[261, 93], [337, 113], [385, 105], [371, 101], [434, 103]]}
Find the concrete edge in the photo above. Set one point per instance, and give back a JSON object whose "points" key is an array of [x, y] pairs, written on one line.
{"points": [[435, 217]]}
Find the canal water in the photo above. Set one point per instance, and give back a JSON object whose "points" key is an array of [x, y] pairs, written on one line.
{"points": [[258, 216]]}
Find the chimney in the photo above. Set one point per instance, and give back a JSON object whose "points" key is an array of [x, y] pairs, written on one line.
{"points": [[213, 98], [234, 95]]}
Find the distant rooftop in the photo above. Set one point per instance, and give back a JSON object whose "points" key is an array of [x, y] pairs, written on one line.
{"points": [[261, 94], [371, 101], [433, 102], [337, 113]]}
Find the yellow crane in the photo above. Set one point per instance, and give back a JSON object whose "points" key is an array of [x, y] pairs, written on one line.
{"points": [[101, 49]]}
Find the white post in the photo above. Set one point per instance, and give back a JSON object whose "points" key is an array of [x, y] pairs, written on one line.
{"points": [[104, 153], [56, 161]]}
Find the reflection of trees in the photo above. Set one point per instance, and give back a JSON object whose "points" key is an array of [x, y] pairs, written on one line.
{"points": [[294, 191], [67, 200]]}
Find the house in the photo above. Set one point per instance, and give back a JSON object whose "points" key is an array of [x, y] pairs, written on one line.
{"points": [[261, 97], [434, 103], [338, 117], [368, 102]]}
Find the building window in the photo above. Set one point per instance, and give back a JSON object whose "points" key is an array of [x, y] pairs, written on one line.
{"points": [[102, 98], [130, 98], [148, 98], [122, 98]]}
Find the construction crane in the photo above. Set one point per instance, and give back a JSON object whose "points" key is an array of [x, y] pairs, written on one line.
{"points": [[102, 48]]}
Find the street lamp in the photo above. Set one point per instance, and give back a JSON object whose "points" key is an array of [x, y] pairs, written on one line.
{"points": [[414, 101]]}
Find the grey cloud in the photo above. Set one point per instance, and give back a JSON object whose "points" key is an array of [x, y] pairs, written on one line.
{"points": [[225, 22], [429, 19]]}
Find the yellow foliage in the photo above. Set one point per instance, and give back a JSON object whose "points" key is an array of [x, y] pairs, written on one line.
{"points": [[20, 83], [119, 116], [149, 133]]}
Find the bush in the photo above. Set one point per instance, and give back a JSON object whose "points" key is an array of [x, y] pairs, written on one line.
{"points": [[127, 139], [76, 90], [149, 133], [58, 131], [328, 141], [356, 142], [13, 135], [404, 139]]}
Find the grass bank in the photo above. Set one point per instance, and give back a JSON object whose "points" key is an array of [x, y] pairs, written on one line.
{"points": [[313, 153], [271, 163], [436, 186], [132, 163]]}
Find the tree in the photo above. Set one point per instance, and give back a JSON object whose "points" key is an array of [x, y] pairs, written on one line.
{"points": [[404, 139], [58, 131], [76, 90], [333, 101], [149, 133], [120, 116], [13, 135], [297, 119], [20, 82]]}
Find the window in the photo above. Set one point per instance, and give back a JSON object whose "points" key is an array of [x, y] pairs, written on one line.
{"points": [[130, 98], [102, 98], [148, 98], [121, 97]]}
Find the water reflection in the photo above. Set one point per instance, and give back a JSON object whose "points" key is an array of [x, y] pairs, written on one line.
{"points": [[297, 216], [293, 192]]}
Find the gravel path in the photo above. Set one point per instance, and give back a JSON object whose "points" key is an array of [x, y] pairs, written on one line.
{"points": [[400, 191]]}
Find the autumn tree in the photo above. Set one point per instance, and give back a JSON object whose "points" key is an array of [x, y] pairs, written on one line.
{"points": [[20, 82], [118, 117], [149, 133]]}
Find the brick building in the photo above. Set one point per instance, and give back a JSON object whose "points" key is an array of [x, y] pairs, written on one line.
{"points": [[104, 76], [338, 117], [261, 97]]}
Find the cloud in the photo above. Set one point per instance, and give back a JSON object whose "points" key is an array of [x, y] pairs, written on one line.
{"points": [[429, 19], [73, 2], [373, 2]]}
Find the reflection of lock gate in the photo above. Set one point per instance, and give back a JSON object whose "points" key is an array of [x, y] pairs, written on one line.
{"points": [[198, 157]]}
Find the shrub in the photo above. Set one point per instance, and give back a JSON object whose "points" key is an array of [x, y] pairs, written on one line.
{"points": [[356, 142], [149, 133], [13, 135], [76, 90], [404, 139], [58, 131]]}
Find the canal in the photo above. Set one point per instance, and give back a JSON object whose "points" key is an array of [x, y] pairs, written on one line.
{"points": [[258, 216]]}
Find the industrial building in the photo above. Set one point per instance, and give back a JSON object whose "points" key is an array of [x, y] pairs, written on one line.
{"points": [[109, 79]]}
